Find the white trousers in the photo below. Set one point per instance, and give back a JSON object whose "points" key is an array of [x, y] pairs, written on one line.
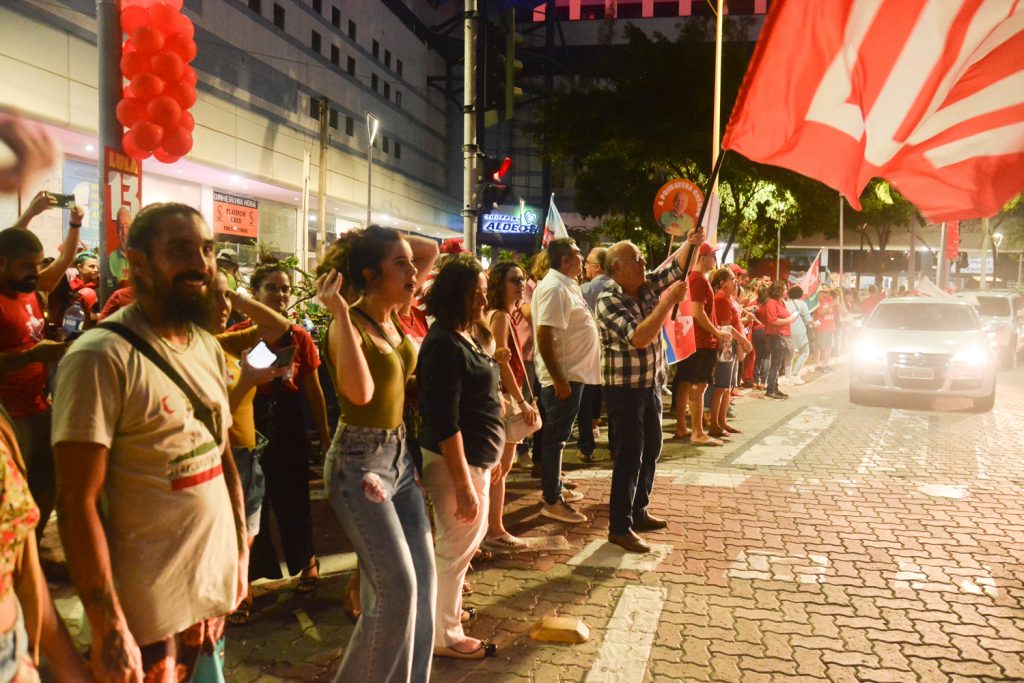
{"points": [[454, 542]]}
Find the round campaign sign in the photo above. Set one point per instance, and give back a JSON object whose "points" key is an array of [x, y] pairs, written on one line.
{"points": [[677, 205]]}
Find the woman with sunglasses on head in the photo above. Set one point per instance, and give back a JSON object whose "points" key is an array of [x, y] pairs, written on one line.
{"points": [[463, 439], [369, 473], [279, 416], [506, 286]]}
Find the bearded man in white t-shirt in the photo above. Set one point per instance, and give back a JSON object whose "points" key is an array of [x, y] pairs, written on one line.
{"points": [[167, 561]]}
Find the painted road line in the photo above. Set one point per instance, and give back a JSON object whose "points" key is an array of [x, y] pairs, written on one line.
{"points": [[899, 446], [728, 480], [601, 553], [533, 544], [766, 565], [626, 648], [785, 442]]}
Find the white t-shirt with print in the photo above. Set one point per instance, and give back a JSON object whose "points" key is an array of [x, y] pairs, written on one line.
{"points": [[167, 514], [558, 303]]}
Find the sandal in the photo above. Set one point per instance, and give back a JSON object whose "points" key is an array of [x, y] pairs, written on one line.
{"points": [[466, 588], [243, 614], [483, 555], [353, 610], [506, 542], [308, 584], [486, 649], [468, 615]]}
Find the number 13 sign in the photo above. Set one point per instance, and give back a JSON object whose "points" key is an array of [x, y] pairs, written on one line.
{"points": [[123, 190]]}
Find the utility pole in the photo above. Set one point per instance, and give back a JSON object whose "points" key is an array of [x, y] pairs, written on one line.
{"points": [[321, 192], [942, 264], [912, 259], [984, 254], [469, 147], [842, 273], [108, 52], [303, 231]]}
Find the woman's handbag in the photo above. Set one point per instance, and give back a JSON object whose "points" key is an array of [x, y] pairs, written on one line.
{"points": [[516, 428]]}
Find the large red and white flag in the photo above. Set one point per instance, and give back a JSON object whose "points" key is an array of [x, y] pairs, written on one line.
{"points": [[928, 94]]}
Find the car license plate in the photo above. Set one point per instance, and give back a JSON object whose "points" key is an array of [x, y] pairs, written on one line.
{"points": [[915, 373]]}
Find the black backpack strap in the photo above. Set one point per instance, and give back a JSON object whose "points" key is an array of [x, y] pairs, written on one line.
{"points": [[202, 411]]}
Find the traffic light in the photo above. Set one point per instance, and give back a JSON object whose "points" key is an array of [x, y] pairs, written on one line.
{"points": [[490, 190], [499, 67]]}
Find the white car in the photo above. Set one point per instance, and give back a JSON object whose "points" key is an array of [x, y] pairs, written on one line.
{"points": [[923, 347], [1002, 318]]}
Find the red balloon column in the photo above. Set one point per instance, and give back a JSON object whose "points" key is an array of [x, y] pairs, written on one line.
{"points": [[161, 85]]}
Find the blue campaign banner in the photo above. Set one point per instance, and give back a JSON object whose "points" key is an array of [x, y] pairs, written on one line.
{"points": [[80, 180]]}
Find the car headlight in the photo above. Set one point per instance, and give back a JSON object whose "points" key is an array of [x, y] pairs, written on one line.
{"points": [[972, 355], [869, 354]]}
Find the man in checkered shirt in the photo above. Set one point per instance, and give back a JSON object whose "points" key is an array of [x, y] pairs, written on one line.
{"points": [[630, 314]]}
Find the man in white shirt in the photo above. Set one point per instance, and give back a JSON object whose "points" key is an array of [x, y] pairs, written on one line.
{"points": [[569, 357]]}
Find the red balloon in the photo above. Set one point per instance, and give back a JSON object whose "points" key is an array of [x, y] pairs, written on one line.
{"points": [[184, 94], [163, 17], [130, 111], [181, 44], [135, 3], [175, 4], [147, 86], [128, 46], [188, 122], [132, 18], [133, 63], [183, 25], [167, 65], [177, 141], [131, 149], [164, 111], [163, 156], [189, 77], [127, 93], [148, 39], [147, 135]]}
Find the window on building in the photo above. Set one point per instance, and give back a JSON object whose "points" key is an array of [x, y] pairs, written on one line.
{"points": [[398, 97], [314, 106], [332, 119], [314, 42], [387, 58], [386, 145], [398, 67], [350, 126], [376, 50], [318, 6], [351, 29], [374, 82], [398, 149], [278, 16], [256, 6], [336, 17], [351, 66], [387, 91], [335, 55]]}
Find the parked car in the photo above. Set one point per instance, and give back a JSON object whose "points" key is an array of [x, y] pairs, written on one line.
{"points": [[923, 347], [1003, 318]]}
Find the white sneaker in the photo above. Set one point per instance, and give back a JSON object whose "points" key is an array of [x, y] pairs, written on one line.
{"points": [[568, 496], [563, 512], [797, 382]]}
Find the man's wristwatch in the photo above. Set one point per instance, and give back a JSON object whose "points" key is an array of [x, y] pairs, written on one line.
{"points": [[74, 225]]}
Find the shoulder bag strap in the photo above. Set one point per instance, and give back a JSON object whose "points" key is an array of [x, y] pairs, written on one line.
{"points": [[202, 411]]}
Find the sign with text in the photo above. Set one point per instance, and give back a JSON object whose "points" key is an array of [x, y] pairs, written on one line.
{"points": [[123, 192], [512, 224], [238, 216]]}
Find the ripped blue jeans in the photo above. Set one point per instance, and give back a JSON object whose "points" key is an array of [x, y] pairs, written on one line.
{"points": [[370, 478]]}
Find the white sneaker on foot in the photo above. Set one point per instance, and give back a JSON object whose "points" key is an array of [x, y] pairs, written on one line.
{"points": [[563, 512]]}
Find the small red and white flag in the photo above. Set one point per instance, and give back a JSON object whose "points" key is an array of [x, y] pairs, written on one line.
{"points": [[677, 330], [928, 94], [554, 226]]}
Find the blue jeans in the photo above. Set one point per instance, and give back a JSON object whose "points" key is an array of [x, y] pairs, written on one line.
{"points": [[590, 410], [13, 648], [250, 474], [634, 422], [558, 419], [393, 640]]}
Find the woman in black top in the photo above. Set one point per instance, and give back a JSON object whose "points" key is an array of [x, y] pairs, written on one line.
{"points": [[463, 436]]}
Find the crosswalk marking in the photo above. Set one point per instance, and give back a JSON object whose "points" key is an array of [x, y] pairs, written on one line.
{"points": [[626, 647], [601, 553], [789, 439]]}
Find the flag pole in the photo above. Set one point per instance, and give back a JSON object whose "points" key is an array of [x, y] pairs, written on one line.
{"points": [[690, 251], [716, 133]]}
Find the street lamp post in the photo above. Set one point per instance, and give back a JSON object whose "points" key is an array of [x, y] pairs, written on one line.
{"points": [[778, 252], [372, 126]]}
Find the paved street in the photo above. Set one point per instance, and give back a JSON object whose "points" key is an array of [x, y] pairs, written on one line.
{"points": [[828, 542]]}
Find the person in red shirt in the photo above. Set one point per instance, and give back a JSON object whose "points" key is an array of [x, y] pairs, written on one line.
{"points": [[777, 333], [825, 316], [726, 313], [279, 415], [874, 297], [696, 371]]}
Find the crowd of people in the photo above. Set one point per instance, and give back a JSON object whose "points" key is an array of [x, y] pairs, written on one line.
{"points": [[160, 433]]}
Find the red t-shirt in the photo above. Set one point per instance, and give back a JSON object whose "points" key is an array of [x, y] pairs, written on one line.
{"points": [[414, 325], [868, 304], [774, 310], [825, 313], [725, 312], [701, 292], [118, 300], [305, 360], [22, 326]]}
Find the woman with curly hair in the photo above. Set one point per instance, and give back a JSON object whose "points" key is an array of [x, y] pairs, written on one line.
{"points": [[506, 285], [369, 473]]}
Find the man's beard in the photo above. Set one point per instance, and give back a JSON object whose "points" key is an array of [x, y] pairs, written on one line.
{"points": [[26, 286], [175, 307]]}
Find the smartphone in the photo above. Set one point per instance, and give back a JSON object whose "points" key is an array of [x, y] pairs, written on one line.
{"points": [[63, 201], [284, 357], [261, 356]]}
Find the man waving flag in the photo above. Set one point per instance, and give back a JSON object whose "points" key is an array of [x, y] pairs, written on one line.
{"points": [[928, 94], [554, 226]]}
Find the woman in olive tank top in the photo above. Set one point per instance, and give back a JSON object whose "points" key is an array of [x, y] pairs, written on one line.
{"points": [[369, 474]]}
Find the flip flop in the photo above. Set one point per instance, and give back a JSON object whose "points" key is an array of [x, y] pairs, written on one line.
{"points": [[486, 649], [682, 437], [242, 615], [308, 584], [468, 614], [710, 442], [733, 430]]}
